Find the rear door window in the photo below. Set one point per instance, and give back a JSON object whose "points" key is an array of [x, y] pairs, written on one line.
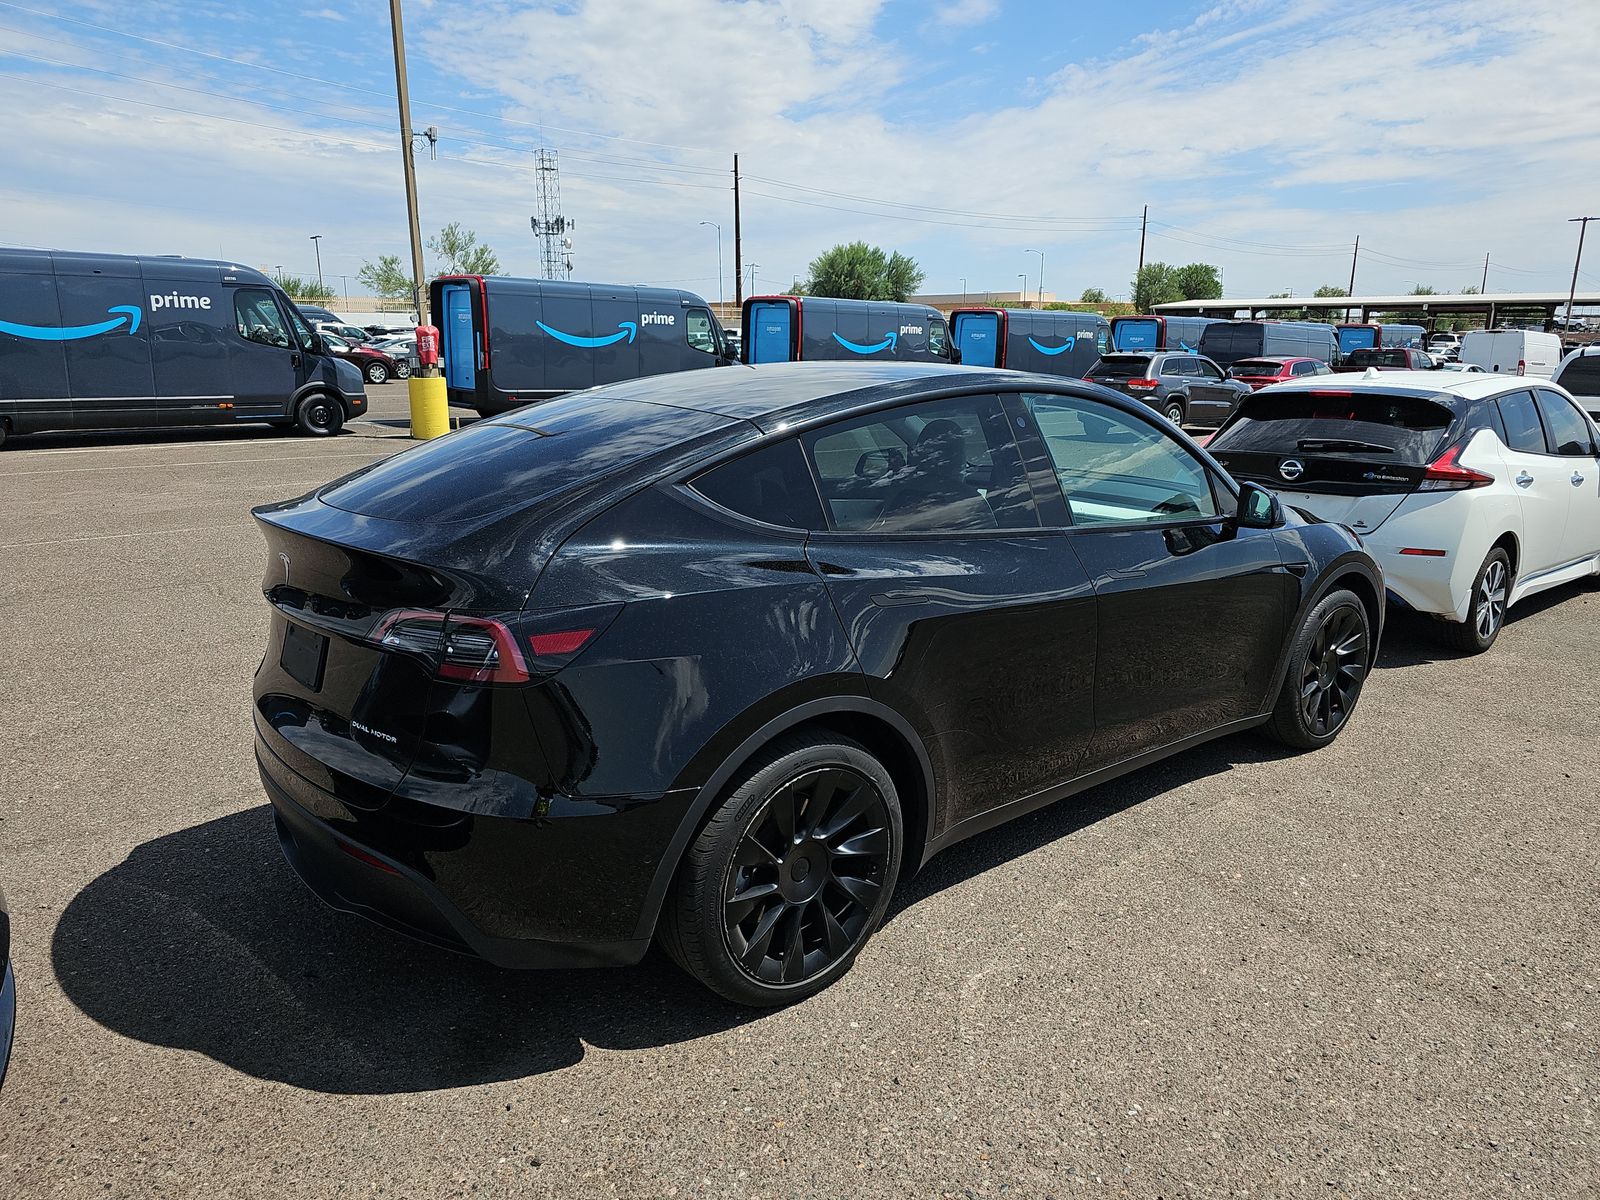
{"points": [[944, 466], [1568, 430], [771, 485], [1184, 367], [1524, 431]]}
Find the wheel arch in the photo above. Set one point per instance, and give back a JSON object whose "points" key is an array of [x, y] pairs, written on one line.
{"points": [[1508, 542], [318, 387], [884, 732]]}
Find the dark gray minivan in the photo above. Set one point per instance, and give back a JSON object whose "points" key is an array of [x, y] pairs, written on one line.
{"points": [[104, 341]]}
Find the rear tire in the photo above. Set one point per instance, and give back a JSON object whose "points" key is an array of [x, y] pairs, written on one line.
{"points": [[319, 416], [1173, 407], [377, 373], [1491, 593], [1328, 664], [790, 877], [5, 433]]}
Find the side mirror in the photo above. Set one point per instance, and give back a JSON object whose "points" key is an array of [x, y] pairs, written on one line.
{"points": [[1258, 508]]}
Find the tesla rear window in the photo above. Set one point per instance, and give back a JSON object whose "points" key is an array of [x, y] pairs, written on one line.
{"points": [[1121, 366], [1409, 428], [532, 452]]}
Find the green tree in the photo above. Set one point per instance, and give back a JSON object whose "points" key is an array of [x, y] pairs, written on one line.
{"points": [[857, 271], [308, 290], [462, 253], [1156, 283], [1092, 295], [387, 279], [1199, 281]]}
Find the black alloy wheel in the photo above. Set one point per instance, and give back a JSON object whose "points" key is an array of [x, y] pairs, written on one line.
{"points": [[790, 877], [1328, 665], [319, 416]]}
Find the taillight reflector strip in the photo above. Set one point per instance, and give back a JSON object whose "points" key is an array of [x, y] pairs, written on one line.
{"points": [[1421, 553], [360, 855], [568, 641]]}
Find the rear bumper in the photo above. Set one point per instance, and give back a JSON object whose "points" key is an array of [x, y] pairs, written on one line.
{"points": [[569, 887]]}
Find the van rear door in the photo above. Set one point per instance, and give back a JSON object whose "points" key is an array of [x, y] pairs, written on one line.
{"points": [[460, 342], [978, 338], [770, 337]]}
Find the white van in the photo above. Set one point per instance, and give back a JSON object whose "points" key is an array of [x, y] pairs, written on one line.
{"points": [[1512, 351]]}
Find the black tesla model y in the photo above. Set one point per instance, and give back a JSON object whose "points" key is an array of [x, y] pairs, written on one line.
{"points": [[715, 658]]}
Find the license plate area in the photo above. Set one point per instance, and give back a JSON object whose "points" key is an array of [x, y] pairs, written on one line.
{"points": [[304, 655]]}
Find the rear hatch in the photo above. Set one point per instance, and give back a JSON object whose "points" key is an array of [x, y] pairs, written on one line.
{"points": [[1126, 373], [1345, 456], [1385, 359], [397, 586]]}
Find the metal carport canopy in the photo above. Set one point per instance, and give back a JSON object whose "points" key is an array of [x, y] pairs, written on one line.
{"points": [[1487, 302]]}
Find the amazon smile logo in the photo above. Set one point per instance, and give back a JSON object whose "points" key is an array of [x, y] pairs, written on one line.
{"points": [[1053, 350], [130, 316], [625, 329]]}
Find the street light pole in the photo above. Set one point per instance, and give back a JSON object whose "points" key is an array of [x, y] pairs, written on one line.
{"points": [[1040, 253], [963, 289], [1583, 226], [1022, 289], [722, 296], [316, 240]]}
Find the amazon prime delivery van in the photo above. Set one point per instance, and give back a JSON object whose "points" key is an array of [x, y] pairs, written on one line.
{"points": [[790, 328], [505, 342], [1374, 337], [1226, 342], [1049, 341], [1158, 333], [102, 341]]}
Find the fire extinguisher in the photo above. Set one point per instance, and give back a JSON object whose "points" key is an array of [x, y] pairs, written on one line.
{"points": [[427, 346]]}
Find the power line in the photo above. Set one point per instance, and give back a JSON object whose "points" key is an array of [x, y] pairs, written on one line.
{"points": [[959, 212]]}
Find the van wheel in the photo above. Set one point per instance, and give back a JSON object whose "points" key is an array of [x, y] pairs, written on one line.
{"points": [[319, 416], [5, 432], [377, 373]]}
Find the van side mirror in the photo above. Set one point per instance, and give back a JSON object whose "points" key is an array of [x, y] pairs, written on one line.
{"points": [[1258, 508]]}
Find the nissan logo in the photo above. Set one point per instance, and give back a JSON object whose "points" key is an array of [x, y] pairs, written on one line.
{"points": [[1291, 469]]}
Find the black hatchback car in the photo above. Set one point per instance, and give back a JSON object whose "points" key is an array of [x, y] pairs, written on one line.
{"points": [[1188, 388], [717, 657]]}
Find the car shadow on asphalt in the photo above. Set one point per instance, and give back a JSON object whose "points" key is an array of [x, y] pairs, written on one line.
{"points": [[204, 940], [1411, 639]]}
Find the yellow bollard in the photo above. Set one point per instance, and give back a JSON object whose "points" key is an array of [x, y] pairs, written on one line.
{"points": [[430, 407]]}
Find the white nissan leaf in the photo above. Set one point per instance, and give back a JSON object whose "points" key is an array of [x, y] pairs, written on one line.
{"points": [[1472, 491]]}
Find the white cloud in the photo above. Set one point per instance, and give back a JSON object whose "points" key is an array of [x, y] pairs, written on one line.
{"points": [[966, 12]]}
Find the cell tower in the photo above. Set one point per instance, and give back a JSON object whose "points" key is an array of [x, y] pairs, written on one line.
{"points": [[549, 226]]}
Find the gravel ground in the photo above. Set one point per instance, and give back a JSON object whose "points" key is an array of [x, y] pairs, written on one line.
{"points": [[1367, 972]]}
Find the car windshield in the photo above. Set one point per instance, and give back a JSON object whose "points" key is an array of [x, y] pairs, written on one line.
{"points": [[1121, 366], [1258, 366], [1408, 428]]}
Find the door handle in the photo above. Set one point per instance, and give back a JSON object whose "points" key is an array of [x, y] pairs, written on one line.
{"points": [[1524, 479], [1576, 479]]}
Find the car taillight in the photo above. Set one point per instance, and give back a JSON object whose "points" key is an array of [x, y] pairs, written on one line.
{"points": [[1446, 474], [511, 649], [1143, 385], [1522, 367]]}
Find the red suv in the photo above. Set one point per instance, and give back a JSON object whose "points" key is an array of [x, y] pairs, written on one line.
{"points": [[1259, 372]]}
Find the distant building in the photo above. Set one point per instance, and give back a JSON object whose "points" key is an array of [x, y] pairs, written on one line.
{"points": [[945, 301]]}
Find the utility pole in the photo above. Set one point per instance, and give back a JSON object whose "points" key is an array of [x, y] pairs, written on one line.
{"points": [[1483, 289], [1583, 226], [1144, 223], [1351, 290], [316, 241], [419, 294], [738, 243]]}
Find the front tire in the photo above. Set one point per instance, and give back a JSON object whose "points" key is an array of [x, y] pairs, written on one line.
{"points": [[1491, 593], [791, 875], [377, 373], [1328, 664], [319, 416]]}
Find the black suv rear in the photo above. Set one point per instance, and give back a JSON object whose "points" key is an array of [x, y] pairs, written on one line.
{"points": [[1189, 388]]}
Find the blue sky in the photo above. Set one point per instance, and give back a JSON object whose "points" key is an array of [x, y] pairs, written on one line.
{"points": [[967, 133]]}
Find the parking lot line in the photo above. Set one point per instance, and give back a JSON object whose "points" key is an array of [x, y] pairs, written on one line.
{"points": [[203, 462], [99, 537]]}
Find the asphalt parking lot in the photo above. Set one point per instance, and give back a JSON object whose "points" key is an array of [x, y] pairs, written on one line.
{"points": [[1372, 971]]}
